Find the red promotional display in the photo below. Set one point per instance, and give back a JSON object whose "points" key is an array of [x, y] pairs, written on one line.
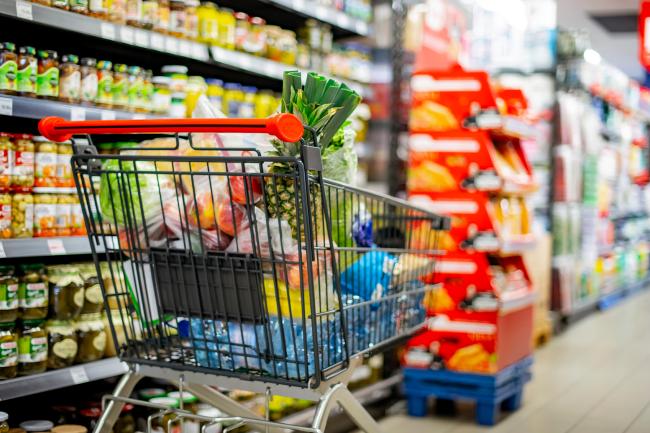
{"points": [[644, 34], [466, 160]]}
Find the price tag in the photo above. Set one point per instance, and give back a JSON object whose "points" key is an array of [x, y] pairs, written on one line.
{"points": [[6, 106], [184, 48], [24, 10], [171, 45], [245, 62], [139, 116], [141, 38], [299, 5], [108, 115], [55, 246], [157, 42], [2, 251], [108, 31], [269, 69], [126, 34], [217, 54], [78, 375], [77, 113], [320, 12], [344, 20], [199, 52]]}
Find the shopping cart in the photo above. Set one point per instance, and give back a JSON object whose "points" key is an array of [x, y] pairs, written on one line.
{"points": [[221, 267]]}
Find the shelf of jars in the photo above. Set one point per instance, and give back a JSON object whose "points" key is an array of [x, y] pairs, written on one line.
{"points": [[152, 40], [56, 379], [329, 15], [41, 247]]}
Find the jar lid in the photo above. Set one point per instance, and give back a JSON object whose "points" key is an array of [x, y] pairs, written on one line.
{"points": [[159, 79], [27, 50], [23, 136], [241, 16], [232, 86], [249, 89], [120, 67], [70, 58], [63, 327], [257, 21], [48, 54], [214, 82], [165, 401], [88, 61], [9, 46], [69, 428], [39, 425], [187, 397], [135, 70], [4, 416], [174, 69], [105, 64], [149, 393]]}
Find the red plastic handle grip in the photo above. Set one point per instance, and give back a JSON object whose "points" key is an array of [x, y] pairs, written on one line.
{"points": [[285, 126]]}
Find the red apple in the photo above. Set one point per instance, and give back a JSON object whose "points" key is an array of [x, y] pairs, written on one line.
{"points": [[230, 217], [241, 185]]}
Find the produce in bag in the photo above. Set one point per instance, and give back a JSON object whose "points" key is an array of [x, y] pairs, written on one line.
{"points": [[340, 160], [370, 276], [274, 236]]}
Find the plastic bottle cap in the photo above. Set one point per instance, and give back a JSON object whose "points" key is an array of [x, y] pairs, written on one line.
{"points": [[187, 397], [165, 401], [4, 416], [149, 393], [174, 69], [38, 425]]}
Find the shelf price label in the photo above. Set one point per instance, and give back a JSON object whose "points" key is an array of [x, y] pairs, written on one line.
{"points": [[24, 10], [126, 34], [108, 115], [2, 251], [6, 106], [55, 246], [78, 375], [107, 31], [157, 42], [141, 38], [184, 48], [77, 113], [171, 45], [199, 52]]}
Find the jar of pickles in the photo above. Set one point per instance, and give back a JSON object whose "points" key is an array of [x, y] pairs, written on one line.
{"points": [[104, 84], [22, 215], [88, 80], [93, 299], [45, 215], [120, 86], [77, 223], [70, 79], [64, 215], [66, 292], [135, 88], [5, 214], [8, 294], [255, 41], [177, 18], [64, 153], [6, 159], [32, 348], [62, 343], [162, 96], [33, 297], [23, 170], [8, 67], [27, 71], [8, 350], [91, 336], [45, 162], [161, 24], [149, 14], [47, 80]]}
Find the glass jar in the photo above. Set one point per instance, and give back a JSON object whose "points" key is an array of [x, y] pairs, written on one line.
{"points": [[149, 14], [22, 215], [45, 215], [23, 172], [208, 23], [4, 425], [61, 4], [191, 20], [247, 106], [177, 106], [70, 79], [8, 67], [148, 91], [47, 80], [45, 162], [32, 348], [8, 294], [79, 6], [135, 88], [66, 292], [33, 297], [288, 47], [126, 422], [302, 55], [215, 93], [27, 70], [117, 12], [190, 402], [177, 18], [242, 27], [62, 343], [5, 214], [36, 426], [274, 35], [93, 299], [162, 96], [162, 21], [91, 336], [6, 159], [196, 87], [77, 223], [120, 86], [178, 77], [232, 98], [8, 350], [98, 8], [161, 423], [64, 153], [255, 42], [133, 12], [88, 80], [104, 84], [64, 215], [227, 28]]}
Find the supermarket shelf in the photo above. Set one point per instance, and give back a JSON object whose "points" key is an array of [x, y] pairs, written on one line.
{"points": [[145, 39], [32, 108], [40, 247], [29, 385]]}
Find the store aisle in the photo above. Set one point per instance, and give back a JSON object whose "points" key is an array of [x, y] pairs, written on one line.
{"points": [[594, 378]]}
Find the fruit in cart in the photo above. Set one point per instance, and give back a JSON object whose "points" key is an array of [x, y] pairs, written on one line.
{"points": [[245, 189], [201, 211], [230, 217]]}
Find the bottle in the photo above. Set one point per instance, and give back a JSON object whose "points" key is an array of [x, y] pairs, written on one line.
{"points": [[162, 21], [134, 12], [47, 80], [177, 18], [104, 84], [70, 79], [149, 13], [8, 67], [27, 70]]}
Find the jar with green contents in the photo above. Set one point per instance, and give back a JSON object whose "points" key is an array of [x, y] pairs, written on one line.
{"points": [[104, 84], [215, 93], [33, 297], [190, 402], [120, 86], [47, 80], [62, 343], [91, 335], [232, 98], [27, 70], [66, 292], [8, 350], [147, 91], [22, 215], [162, 96], [135, 88], [247, 106], [8, 67], [32, 348], [93, 299], [178, 77], [8, 294]]}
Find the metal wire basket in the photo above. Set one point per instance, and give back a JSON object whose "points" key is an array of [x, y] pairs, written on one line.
{"points": [[227, 262]]}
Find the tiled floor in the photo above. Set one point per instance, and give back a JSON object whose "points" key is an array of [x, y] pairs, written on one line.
{"points": [[594, 378]]}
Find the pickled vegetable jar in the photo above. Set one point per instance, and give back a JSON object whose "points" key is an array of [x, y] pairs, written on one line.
{"points": [[23, 172], [120, 86], [8, 67], [32, 348], [92, 337], [70, 79], [66, 292], [22, 215], [45, 162], [45, 215], [88, 79], [78, 226], [104, 84], [93, 299], [64, 153], [62, 343], [5, 214], [162, 96], [27, 71], [64, 215], [8, 350], [6, 159], [8, 294], [47, 80], [33, 296]]}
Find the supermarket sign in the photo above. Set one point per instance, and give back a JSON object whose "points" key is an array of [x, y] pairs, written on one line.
{"points": [[644, 34]]}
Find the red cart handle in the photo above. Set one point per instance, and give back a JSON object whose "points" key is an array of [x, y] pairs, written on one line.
{"points": [[285, 126]]}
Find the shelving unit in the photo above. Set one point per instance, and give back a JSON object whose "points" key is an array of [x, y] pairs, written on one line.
{"points": [[43, 247], [55, 379]]}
